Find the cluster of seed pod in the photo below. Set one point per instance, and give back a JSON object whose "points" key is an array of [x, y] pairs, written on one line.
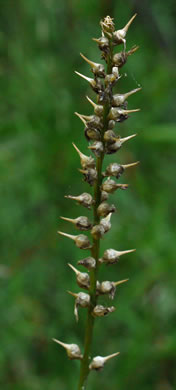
{"points": [[99, 131]]}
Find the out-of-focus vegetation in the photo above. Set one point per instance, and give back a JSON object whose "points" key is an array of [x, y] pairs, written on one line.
{"points": [[40, 43]]}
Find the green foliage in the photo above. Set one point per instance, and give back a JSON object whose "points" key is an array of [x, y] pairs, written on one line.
{"points": [[40, 43]]}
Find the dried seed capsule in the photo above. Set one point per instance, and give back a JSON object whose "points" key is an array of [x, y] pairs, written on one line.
{"points": [[111, 124], [73, 351], [81, 223], [105, 223], [97, 231], [94, 83], [119, 35], [104, 209], [82, 278], [90, 175], [103, 43], [116, 170], [92, 134], [97, 69], [109, 136], [110, 186], [81, 299], [111, 256], [81, 241], [104, 196], [91, 121], [108, 287], [98, 109], [99, 361], [113, 147], [119, 59], [118, 114], [86, 161], [119, 99], [101, 311], [88, 262], [97, 148], [113, 77], [84, 199]]}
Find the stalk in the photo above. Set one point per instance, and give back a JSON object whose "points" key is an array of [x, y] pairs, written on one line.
{"points": [[84, 368]]}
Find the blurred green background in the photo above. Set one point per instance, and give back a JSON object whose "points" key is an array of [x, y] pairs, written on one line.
{"points": [[40, 43]]}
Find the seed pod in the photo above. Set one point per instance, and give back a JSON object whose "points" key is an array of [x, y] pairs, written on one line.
{"points": [[111, 256], [81, 223], [108, 287], [119, 35], [90, 175], [86, 161], [81, 299], [99, 361], [113, 147], [97, 231], [110, 186], [88, 262], [81, 241], [104, 196], [103, 43], [84, 199], [118, 114], [98, 109], [97, 148], [105, 223], [92, 134], [119, 99], [109, 136], [94, 83], [101, 311], [97, 69], [119, 59], [91, 121], [73, 351], [82, 278], [104, 209], [111, 124], [113, 77], [116, 170]]}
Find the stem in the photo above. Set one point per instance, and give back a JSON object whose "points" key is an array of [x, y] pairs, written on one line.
{"points": [[84, 369]]}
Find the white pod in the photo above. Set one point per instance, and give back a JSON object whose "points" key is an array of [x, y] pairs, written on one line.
{"points": [[111, 256], [98, 362], [97, 148], [119, 59], [82, 278], [101, 311], [84, 199], [81, 223], [73, 351], [110, 186], [103, 42], [108, 287], [104, 208], [81, 241], [117, 114], [97, 231], [88, 262], [98, 109], [81, 299], [90, 175], [97, 69], [119, 99], [116, 143], [86, 161], [116, 170], [119, 35], [95, 84]]}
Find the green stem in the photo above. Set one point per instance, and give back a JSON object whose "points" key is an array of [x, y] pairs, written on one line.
{"points": [[84, 369]]}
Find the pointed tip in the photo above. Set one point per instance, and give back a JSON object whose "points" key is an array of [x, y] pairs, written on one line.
{"points": [[129, 23], [121, 253], [130, 165], [83, 76], [60, 343], [122, 140], [90, 101], [73, 294], [130, 111], [120, 282], [67, 235], [73, 268], [111, 356], [68, 219]]}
